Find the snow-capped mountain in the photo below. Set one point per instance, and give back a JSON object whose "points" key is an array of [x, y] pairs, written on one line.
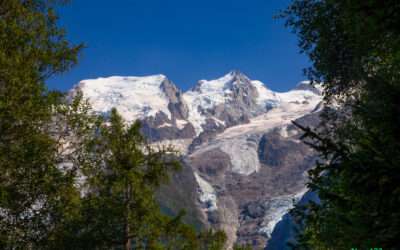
{"points": [[222, 102], [134, 97], [225, 100], [153, 99], [244, 161]]}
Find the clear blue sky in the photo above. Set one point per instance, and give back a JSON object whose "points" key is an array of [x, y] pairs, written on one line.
{"points": [[186, 40]]}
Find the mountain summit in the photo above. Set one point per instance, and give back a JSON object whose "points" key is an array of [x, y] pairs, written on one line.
{"points": [[211, 104], [134, 97], [243, 160]]}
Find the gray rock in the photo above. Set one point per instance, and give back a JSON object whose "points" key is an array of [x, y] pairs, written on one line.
{"points": [[177, 104]]}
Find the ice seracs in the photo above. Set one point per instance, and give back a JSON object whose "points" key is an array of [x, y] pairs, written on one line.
{"points": [[207, 194], [277, 207]]}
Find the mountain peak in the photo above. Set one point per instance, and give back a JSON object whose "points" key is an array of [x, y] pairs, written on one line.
{"points": [[238, 77], [222, 84], [134, 97], [235, 72]]}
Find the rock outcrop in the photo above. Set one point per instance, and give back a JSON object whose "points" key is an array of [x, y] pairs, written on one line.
{"points": [[176, 104]]}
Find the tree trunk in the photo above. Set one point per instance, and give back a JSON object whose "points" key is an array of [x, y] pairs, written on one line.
{"points": [[127, 215]]}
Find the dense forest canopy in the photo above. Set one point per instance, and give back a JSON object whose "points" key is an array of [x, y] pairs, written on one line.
{"points": [[354, 47]]}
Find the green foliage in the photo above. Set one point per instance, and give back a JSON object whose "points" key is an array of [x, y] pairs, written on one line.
{"points": [[355, 50], [37, 192], [345, 40], [118, 209], [236, 247], [68, 180], [119, 203]]}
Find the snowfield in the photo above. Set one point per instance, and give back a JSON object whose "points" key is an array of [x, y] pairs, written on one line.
{"points": [[134, 97], [266, 97]]}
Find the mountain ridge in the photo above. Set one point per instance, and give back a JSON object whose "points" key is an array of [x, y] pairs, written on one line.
{"points": [[243, 160], [224, 100]]}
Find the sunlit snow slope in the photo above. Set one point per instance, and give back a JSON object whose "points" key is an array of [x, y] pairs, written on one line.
{"points": [[134, 97]]}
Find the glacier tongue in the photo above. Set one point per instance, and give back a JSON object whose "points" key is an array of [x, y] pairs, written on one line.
{"points": [[276, 208], [208, 195]]}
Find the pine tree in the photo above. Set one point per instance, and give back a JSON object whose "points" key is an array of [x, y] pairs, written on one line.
{"points": [[37, 181], [67, 179], [119, 209], [355, 50]]}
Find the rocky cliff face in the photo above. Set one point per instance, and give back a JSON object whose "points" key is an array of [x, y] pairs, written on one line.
{"points": [[227, 100], [242, 100], [244, 163], [176, 104]]}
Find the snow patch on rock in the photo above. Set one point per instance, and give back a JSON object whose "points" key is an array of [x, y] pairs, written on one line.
{"points": [[206, 94], [181, 145], [165, 125], [283, 131], [218, 122], [181, 123]]}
